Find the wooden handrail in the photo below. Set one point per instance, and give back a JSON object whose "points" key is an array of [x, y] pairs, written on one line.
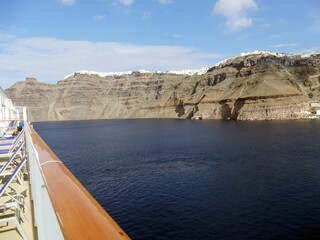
{"points": [[79, 215]]}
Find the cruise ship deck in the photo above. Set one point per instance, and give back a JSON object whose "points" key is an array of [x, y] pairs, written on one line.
{"points": [[39, 197], [9, 230]]}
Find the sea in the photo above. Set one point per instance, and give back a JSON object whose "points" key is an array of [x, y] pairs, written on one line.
{"points": [[183, 179]]}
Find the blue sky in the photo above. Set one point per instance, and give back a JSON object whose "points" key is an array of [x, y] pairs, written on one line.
{"points": [[50, 39]]}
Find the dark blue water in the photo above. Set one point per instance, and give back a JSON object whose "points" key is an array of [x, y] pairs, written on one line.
{"points": [[180, 179]]}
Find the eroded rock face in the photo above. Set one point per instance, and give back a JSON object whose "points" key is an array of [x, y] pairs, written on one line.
{"points": [[251, 87]]}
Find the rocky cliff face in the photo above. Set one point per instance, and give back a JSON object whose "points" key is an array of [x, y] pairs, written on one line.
{"points": [[256, 86]]}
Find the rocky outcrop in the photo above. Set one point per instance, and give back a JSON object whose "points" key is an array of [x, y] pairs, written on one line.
{"points": [[255, 86]]}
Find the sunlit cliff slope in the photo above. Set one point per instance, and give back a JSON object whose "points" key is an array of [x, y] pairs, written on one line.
{"points": [[252, 86]]}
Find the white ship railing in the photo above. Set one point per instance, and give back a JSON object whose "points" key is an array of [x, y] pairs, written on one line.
{"points": [[62, 207], [8, 112], [44, 216]]}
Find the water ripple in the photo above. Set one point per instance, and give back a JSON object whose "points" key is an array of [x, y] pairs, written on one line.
{"points": [[173, 179]]}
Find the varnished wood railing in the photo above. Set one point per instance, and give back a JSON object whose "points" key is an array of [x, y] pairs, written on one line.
{"points": [[79, 215]]}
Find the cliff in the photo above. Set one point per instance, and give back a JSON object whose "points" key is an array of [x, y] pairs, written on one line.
{"points": [[253, 86]]}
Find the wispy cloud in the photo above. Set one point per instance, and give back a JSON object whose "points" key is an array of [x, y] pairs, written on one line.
{"points": [[176, 36], [285, 45], [67, 2], [315, 18], [126, 2], [244, 36], [165, 1], [275, 36], [311, 49], [236, 12], [6, 36], [100, 17], [145, 15], [173, 35], [50, 59]]}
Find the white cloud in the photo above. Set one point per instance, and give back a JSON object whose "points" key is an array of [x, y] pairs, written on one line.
{"points": [[165, 1], [174, 35], [285, 45], [244, 36], [5, 36], [126, 2], [311, 49], [50, 59], [275, 36], [236, 12], [100, 17], [67, 2], [315, 26], [146, 15]]}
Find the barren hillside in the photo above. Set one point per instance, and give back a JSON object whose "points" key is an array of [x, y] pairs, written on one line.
{"points": [[254, 86]]}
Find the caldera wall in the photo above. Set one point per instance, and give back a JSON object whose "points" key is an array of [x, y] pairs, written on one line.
{"points": [[260, 86]]}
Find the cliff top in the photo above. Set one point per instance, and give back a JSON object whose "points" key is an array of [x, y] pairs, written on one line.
{"points": [[201, 71]]}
